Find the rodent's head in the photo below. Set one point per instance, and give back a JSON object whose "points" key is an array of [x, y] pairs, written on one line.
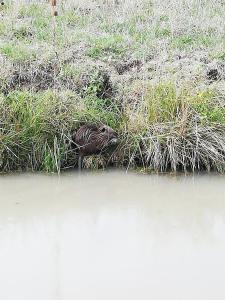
{"points": [[108, 134]]}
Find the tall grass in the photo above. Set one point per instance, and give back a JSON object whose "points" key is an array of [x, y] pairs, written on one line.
{"points": [[174, 134], [142, 67]]}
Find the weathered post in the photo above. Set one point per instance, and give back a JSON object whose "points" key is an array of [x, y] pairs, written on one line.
{"points": [[54, 10], [54, 15]]}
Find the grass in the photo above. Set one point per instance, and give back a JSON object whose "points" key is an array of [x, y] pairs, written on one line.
{"points": [[17, 52], [169, 130], [138, 66], [193, 41], [111, 45]]}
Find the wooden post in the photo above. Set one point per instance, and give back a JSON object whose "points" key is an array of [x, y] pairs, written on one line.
{"points": [[54, 24], [54, 10]]}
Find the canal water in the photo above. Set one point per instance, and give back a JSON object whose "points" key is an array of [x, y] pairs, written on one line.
{"points": [[112, 236]]}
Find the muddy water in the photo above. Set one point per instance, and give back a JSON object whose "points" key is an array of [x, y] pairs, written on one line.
{"points": [[112, 236]]}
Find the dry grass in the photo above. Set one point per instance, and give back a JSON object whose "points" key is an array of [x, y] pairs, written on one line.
{"points": [[153, 70]]}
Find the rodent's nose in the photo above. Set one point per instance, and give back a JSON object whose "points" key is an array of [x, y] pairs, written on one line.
{"points": [[114, 141]]}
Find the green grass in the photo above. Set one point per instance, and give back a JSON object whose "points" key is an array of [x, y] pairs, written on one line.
{"points": [[72, 18], [162, 32], [32, 10], [17, 52], [220, 56], [3, 28], [208, 110], [104, 46], [186, 41], [163, 104]]}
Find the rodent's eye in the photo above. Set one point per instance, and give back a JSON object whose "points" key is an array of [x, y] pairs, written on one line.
{"points": [[103, 129]]}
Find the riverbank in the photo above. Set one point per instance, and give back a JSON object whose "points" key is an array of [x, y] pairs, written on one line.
{"points": [[153, 72]]}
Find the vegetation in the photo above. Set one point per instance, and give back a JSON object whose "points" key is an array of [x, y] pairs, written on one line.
{"points": [[152, 71]]}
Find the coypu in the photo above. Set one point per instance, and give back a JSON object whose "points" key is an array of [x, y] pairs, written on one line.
{"points": [[93, 139]]}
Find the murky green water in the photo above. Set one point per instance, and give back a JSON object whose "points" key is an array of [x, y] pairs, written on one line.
{"points": [[112, 236]]}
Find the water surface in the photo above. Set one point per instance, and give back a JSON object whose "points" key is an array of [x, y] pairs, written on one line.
{"points": [[110, 236]]}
